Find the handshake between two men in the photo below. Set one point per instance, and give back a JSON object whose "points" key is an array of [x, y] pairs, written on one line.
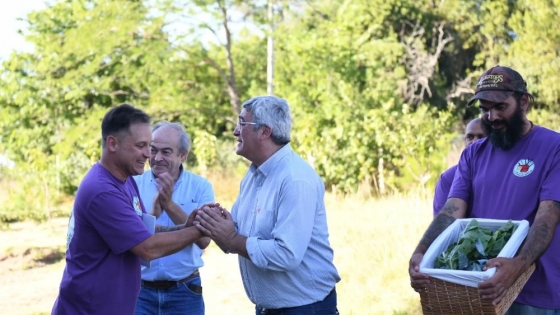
{"points": [[216, 222], [211, 219]]}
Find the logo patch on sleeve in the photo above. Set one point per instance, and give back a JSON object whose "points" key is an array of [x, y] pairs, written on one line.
{"points": [[137, 206]]}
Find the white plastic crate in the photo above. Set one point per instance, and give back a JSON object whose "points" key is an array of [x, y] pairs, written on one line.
{"points": [[451, 235]]}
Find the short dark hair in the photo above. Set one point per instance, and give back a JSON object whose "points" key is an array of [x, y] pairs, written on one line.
{"points": [[119, 119]]}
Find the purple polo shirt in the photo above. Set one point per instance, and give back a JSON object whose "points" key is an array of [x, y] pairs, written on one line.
{"points": [[510, 185], [442, 188], [102, 275]]}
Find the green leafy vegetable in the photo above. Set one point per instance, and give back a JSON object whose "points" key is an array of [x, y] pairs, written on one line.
{"points": [[474, 247]]}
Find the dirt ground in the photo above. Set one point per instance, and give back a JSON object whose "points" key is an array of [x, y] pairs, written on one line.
{"points": [[32, 261], [371, 255]]}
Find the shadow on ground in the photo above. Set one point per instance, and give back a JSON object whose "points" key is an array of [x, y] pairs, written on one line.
{"points": [[29, 258]]}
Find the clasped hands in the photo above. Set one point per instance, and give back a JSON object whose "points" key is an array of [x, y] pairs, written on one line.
{"points": [[216, 222], [211, 219], [495, 288]]}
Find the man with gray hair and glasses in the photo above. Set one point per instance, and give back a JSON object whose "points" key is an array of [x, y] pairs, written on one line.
{"points": [[278, 223], [172, 284]]}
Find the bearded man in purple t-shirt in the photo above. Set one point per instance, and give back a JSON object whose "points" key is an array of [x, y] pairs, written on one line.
{"points": [[106, 234], [512, 174], [473, 132]]}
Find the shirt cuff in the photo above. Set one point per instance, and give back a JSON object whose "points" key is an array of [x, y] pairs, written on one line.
{"points": [[253, 250]]}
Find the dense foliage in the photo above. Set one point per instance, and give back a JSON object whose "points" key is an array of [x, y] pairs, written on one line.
{"points": [[377, 87]]}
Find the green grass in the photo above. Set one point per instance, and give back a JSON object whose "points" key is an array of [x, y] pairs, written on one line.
{"points": [[373, 240]]}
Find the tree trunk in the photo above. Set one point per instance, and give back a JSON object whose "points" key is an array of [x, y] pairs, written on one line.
{"points": [[233, 93], [270, 51], [381, 179]]}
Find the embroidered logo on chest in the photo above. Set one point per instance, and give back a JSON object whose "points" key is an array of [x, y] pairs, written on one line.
{"points": [[137, 206], [523, 168]]}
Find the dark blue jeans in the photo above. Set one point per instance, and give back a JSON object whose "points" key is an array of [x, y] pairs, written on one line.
{"points": [[324, 307], [522, 309], [179, 300]]}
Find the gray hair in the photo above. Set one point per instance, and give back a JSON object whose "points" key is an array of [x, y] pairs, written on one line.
{"points": [[184, 139], [273, 112]]}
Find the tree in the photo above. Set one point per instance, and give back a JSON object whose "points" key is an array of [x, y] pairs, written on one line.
{"points": [[533, 50], [88, 56], [377, 88], [352, 121], [217, 19]]}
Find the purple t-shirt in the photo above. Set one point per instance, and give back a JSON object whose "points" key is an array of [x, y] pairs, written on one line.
{"points": [[102, 275], [442, 188], [510, 185]]}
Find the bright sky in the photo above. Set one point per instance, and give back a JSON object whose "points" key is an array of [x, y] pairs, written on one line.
{"points": [[10, 11]]}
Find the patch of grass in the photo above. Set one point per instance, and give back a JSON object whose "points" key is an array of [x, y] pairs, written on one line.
{"points": [[226, 187], [47, 256], [22, 258], [372, 242]]}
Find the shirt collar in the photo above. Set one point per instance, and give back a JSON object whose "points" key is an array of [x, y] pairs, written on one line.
{"points": [[272, 161]]}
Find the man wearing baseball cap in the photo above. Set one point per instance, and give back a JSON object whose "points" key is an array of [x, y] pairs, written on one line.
{"points": [[514, 174]]}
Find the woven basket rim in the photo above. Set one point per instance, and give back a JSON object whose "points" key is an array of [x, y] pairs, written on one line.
{"points": [[444, 297]]}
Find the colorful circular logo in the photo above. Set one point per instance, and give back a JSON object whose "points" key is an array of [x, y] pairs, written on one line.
{"points": [[523, 168]]}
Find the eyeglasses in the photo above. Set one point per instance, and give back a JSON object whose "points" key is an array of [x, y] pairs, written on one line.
{"points": [[241, 124]]}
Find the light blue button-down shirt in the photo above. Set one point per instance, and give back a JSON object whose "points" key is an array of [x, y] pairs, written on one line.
{"points": [[281, 209], [191, 191]]}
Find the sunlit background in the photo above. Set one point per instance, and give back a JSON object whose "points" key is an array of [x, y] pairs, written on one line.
{"points": [[377, 90]]}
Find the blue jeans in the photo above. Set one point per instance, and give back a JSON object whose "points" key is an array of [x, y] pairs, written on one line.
{"points": [[324, 307], [179, 300], [522, 309]]}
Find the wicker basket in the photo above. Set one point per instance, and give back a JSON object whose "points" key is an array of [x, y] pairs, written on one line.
{"points": [[446, 298]]}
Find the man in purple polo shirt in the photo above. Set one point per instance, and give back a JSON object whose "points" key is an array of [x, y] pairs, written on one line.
{"points": [[106, 235], [473, 132], [512, 174]]}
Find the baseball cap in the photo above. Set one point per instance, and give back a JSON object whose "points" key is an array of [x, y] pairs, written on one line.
{"points": [[497, 84]]}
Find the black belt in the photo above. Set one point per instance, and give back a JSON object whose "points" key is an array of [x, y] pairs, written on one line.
{"points": [[280, 310], [165, 284]]}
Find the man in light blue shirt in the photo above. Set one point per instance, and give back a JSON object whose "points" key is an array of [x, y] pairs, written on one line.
{"points": [[172, 284], [278, 224]]}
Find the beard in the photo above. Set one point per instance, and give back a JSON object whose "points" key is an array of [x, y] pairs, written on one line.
{"points": [[506, 137]]}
